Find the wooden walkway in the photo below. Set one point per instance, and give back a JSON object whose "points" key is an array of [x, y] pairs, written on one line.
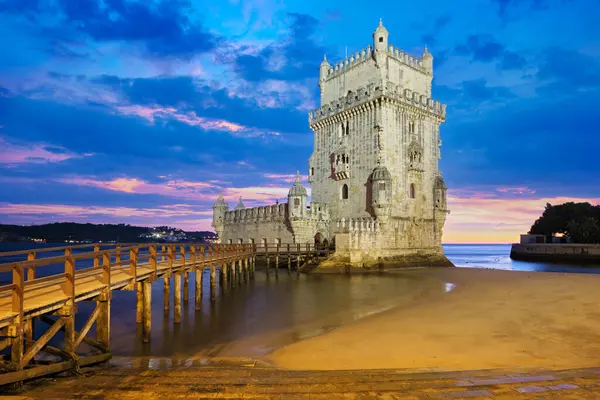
{"points": [[52, 299], [91, 273]]}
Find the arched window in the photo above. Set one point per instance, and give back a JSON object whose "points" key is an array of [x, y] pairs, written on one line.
{"points": [[296, 202], [344, 192], [412, 190]]}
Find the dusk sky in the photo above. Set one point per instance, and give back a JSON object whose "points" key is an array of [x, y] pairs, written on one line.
{"points": [[143, 111]]}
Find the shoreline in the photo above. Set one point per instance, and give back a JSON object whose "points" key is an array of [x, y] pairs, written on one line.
{"points": [[491, 319]]}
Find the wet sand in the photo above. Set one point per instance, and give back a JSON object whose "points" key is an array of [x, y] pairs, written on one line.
{"points": [[491, 319]]}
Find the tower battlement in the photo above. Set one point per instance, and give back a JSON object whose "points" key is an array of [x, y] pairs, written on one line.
{"points": [[414, 62]]}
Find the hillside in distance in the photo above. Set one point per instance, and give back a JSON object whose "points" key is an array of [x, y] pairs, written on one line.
{"points": [[76, 232]]}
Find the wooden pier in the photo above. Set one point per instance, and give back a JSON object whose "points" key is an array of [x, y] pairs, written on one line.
{"points": [[91, 272], [52, 300]]}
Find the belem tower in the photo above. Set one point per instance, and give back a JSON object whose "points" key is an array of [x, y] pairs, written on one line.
{"points": [[376, 190]]}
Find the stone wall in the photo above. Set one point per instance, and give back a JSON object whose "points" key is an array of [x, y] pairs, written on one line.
{"points": [[565, 252]]}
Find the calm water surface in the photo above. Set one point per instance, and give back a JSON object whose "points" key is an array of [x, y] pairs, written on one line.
{"points": [[269, 312]]}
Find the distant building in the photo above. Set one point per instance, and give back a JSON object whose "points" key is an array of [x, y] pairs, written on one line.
{"points": [[377, 191], [531, 239]]}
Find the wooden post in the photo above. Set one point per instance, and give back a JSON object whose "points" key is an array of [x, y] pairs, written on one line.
{"points": [[133, 255], [177, 297], [139, 305], [147, 289], [167, 293], [68, 311], [103, 302], [15, 330], [199, 271], [298, 258], [118, 255], [167, 279], [96, 256], [213, 283], [277, 260], [163, 252], [29, 323], [186, 278], [246, 269], [267, 256], [153, 263]]}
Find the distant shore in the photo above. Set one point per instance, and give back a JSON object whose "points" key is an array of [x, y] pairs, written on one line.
{"points": [[491, 319]]}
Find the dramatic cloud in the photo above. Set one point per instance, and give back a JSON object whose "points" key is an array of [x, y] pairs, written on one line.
{"points": [[485, 48], [162, 27], [13, 153]]}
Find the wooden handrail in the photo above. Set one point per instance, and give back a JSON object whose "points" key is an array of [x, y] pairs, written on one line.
{"points": [[48, 249]]}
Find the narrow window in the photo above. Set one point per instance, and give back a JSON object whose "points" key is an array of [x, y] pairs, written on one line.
{"points": [[344, 192], [381, 186], [412, 190], [381, 39], [229, 241], [312, 170], [296, 202]]}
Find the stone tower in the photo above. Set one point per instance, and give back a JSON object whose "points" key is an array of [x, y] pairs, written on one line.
{"points": [[375, 158], [219, 210]]}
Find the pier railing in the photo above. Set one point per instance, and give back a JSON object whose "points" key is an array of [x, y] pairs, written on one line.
{"points": [[46, 285], [91, 273]]}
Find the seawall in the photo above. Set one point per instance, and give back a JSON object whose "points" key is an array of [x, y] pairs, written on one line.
{"points": [[555, 252]]}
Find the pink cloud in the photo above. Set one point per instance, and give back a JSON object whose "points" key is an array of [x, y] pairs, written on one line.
{"points": [[516, 190], [34, 153], [285, 177], [191, 118], [495, 220], [189, 190], [173, 187]]}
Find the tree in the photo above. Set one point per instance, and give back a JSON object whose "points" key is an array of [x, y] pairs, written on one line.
{"points": [[586, 231], [579, 221]]}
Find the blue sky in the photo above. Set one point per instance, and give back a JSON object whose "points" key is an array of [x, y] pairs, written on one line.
{"points": [[143, 111]]}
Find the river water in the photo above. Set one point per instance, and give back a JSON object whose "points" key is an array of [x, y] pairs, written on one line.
{"points": [[270, 312]]}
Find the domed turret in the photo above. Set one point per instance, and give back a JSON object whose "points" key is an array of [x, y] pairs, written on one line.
{"points": [[381, 190], [380, 38], [297, 189], [297, 197], [240, 205]]}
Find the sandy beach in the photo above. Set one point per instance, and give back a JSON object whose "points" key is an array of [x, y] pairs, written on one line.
{"points": [[491, 319]]}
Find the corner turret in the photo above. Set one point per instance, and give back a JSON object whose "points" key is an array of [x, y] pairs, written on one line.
{"points": [[427, 60], [219, 210], [324, 68], [380, 38], [297, 197]]}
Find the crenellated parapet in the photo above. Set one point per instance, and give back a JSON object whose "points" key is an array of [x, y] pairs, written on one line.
{"points": [[275, 212], [365, 54], [364, 98]]}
